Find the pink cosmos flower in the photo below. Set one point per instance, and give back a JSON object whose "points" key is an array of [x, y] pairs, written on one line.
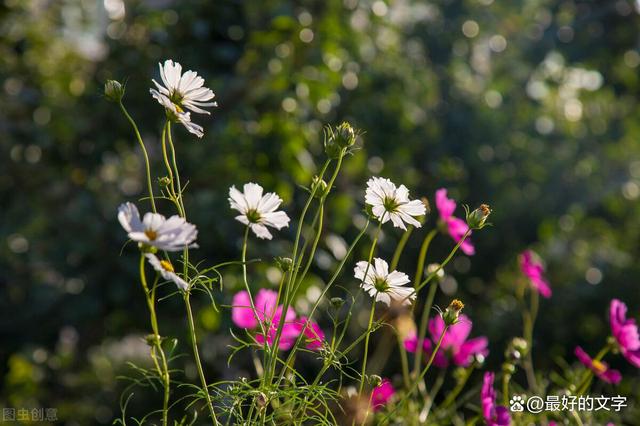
{"points": [[625, 332], [534, 271], [599, 368], [269, 315], [382, 394], [455, 226], [494, 415], [455, 347]]}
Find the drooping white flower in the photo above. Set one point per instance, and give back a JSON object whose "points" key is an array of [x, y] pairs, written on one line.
{"points": [[173, 234], [182, 92], [177, 114], [385, 286], [166, 270], [391, 202], [258, 211]]}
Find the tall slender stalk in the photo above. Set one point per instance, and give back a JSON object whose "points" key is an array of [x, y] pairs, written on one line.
{"points": [[144, 153], [366, 346], [156, 342]]}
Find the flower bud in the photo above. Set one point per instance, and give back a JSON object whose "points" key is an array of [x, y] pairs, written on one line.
{"points": [[375, 380], [164, 181], [332, 149], [284, 263], [434, 268], [508, 368], [451, 314], [337, 302], [113, 91], [344, 135], [477, 219], [146, 248], [261, 400], [152, 339], [319, 187]]}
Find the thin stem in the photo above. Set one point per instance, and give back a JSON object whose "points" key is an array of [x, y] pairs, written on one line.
{"points": [[179, 198], [144, 153], [400, 248], [164, 372], [422, 374], [422, 256], [528, 318], [366, 346], [444, 263], [196, 354], [404, 361], [422, 329], [332, 280], [459, 386]]}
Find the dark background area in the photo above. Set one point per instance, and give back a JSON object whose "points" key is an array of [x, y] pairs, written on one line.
{"points": [[529, 106]]}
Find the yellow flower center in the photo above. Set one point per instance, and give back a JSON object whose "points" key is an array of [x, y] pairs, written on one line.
{"points": [[598, 366], [151, 234], [178, 108], [166, 265]]}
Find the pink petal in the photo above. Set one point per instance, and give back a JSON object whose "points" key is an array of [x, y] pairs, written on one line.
{"points": [[445, 206], [382, 394], [241, 312]]}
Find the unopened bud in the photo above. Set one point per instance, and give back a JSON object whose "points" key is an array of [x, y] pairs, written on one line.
{"points": [[477, 219], [284, 263], [337, 302], [261, 400], [152, 339], [451, 314], [344, 135], [435, 268], [113, 91], [375, 380], [508, 368], [164, 181], [318, 187]]}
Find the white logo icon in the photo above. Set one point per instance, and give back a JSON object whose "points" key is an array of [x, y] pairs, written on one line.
{"points": [[516, 403]]}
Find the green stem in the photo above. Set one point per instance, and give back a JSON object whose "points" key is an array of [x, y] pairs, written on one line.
{"points": [[529, 317], [366, 346], [332, 280], [196, 354], [422, 374], [400, 248], [444, 263], [144, 153], [164, 371], [405, 362], [422, 329], [459, 386]]}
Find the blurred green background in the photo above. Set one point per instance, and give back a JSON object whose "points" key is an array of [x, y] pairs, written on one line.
{"points": [[531, 106]]}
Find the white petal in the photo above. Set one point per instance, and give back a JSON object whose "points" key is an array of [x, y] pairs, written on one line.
{"points": [[129, 217], [384, 298], [382, 268], [237, 200], [397, 279], [413, 208], [253, 194], [261, 231], [276, 220], [269, 203], [397, 221]]}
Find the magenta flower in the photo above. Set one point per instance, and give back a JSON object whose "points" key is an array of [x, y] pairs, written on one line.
{"points": [[455, 226], [382, 394], [599, 368], [494, 415], [534, 271], [455, 347], [268, 313], [625, 332]]}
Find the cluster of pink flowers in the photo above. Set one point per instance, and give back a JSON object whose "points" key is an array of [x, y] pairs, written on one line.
{"points": [[269, 314], [456, 347], [456, 227]]}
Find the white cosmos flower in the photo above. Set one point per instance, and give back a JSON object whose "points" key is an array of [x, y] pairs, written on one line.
{"points": [[166, 270], [178, 114], [382, 284], [186, 90], [182, 92], [173, 234], [257, 210], [391, 202]]}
